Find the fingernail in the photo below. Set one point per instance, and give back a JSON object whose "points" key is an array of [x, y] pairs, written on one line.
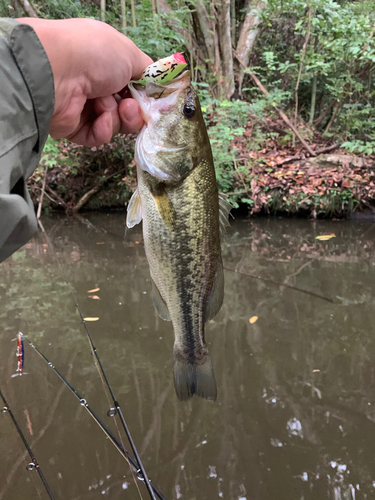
{"points": [[109, 121], [108, 102], [130, 113]]}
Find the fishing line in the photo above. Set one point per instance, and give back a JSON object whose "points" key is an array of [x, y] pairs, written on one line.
{"points": [[125, 454], [112, 412], [255, 276], [34, 463]]}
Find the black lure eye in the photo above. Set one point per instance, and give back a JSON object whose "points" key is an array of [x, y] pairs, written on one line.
{"points": [[188, 110]]}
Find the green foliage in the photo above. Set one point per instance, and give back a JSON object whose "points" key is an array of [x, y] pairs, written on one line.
{"points": [[65, 9], [51, 152], [153, 36], [340, 51], [357, 146], [226, 121]]}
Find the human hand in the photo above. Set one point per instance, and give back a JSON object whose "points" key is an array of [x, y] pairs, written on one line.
{"points": [[91, 63]]}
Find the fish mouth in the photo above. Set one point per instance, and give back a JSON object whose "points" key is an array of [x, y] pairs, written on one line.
{"points": [[139, 92], [150, 144]]}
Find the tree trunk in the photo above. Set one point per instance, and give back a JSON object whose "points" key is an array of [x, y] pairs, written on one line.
{"points": [[133, 13], [248, 33], [25, 5], [313, 98], [123, 16], [102, 10], [225, 41], [193, 46], [153, 4], [233, 21], [204, 24]]}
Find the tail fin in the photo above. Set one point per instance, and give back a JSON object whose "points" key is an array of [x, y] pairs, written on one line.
{"points": [[194, 378]]}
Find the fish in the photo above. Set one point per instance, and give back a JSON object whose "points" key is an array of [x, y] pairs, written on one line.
{"points": [[183, 220]]}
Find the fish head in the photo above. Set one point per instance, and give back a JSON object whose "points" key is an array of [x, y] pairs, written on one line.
{"points": [[174, 137]]}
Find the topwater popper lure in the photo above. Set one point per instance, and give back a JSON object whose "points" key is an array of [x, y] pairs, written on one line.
{"points": [[164, 70]]}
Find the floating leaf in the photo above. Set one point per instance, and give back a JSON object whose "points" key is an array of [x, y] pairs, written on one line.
{"points": [[93, 290], [95, 297], [253, 319], [91, 319], [325, 237]]}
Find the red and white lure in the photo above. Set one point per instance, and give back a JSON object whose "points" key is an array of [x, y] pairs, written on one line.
{"points": [[20, 355]]}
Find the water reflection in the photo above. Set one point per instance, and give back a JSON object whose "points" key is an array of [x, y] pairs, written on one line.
{"points": [[295, 412]]}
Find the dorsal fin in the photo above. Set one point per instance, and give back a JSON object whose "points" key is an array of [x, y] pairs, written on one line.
{"points": [[134, 210]]}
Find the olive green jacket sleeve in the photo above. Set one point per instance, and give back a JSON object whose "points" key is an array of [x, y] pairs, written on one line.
{"points": [[26, 108]]}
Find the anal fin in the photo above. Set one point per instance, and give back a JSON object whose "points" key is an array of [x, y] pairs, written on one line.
{"points": [[160, 305], [224, 210], [216, 298]]}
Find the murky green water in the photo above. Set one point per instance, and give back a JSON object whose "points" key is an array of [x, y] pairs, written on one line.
{"points": [[295, 415]]}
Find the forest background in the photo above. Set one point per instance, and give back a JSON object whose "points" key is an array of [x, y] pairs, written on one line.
{"points": [[287, 88]]}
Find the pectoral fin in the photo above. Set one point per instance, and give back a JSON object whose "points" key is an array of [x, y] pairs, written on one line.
{"points": [[160, 305], [164, 206], [134, 210], [216, 298]]}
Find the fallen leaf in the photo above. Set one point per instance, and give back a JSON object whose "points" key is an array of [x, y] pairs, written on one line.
{"points": [[253, 319], [315, 371], [93, 290], [325, 237], [28, 422], [95, 297], [91, 319]]}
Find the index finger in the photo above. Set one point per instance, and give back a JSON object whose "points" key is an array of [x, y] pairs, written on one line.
{"points": [[140, 61]]}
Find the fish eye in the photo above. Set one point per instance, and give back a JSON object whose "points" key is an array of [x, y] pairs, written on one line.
{"points": [[188, 110]]}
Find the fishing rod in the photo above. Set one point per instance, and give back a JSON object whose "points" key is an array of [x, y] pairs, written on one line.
{"points": [[117, 409], [34, 463], [134, 464]]}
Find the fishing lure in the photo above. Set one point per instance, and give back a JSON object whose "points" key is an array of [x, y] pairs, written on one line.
{"points": [[20, 355], [164, 70]]}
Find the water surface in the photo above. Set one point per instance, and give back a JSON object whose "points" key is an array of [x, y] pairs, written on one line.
{"points": [[295, 414]]}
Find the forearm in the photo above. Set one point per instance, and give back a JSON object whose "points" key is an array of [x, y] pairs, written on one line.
{"points": [[26, 107]]}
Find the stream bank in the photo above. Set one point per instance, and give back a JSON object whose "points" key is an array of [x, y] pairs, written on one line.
{"points": [[276, 179]]}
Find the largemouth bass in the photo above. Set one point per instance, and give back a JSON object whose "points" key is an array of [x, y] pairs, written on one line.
{"points": [[178, 200]]}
